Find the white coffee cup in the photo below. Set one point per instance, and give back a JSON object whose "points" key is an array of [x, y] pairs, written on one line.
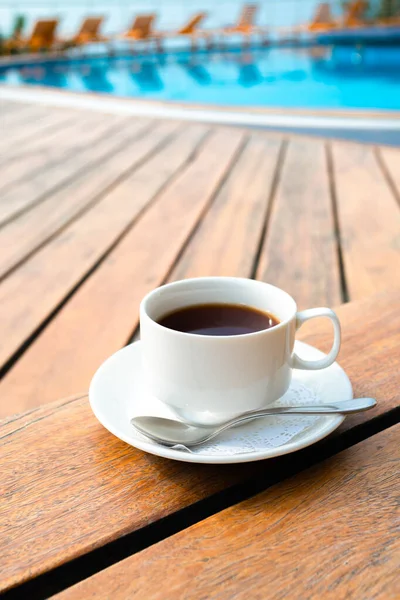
{"points": [[208, 379]]}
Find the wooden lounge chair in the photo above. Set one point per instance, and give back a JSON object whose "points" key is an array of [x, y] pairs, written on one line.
{"points": [[192, 24], [246, 25], [354, 15], [322, 21], [246, 21], [41, 38], [43, 35], [89, 32], [353, 18], [190, 29], [141, 28], [323, 18]]}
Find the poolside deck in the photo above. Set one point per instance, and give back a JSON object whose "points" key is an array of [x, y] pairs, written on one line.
{"points": [[97, 209]]}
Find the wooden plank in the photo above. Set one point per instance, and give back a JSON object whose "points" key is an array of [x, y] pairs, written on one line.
{"points": [[390, 158], [113, 162], [54, 138], [8, 107], [60, 462], [160, 233], [348, 506], [32, 292], [228, 238], [70, 140], [14, 121], [369, 220], [21, 150], [21, 134], [87, 477], [74, 173], [299, 253]]}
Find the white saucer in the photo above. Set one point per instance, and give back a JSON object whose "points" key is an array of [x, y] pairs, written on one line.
{"points": [[117, 393]]}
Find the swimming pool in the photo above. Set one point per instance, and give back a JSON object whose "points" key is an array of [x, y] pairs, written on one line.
{"points": [[322, 77]]}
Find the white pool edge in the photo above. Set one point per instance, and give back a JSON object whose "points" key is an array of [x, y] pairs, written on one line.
{"points": [[223, 116]]}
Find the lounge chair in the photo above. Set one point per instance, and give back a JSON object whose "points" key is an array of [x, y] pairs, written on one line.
{"points": [[322, 21], [141, 28], [41, 38], [323, 18], [190, 29], [192, 24], [88, 33], [43, 35], [246, 21], [246, 25], [354, 15]]}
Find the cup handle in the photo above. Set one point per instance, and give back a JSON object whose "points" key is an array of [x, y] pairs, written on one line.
{"points": [[322, 363]]}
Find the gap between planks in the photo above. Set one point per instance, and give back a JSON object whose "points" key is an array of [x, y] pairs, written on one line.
{"points": [[334, 200], [383, 156], [365, 365], [203, 133], [18, 205], [80, 303], [93, 562]]}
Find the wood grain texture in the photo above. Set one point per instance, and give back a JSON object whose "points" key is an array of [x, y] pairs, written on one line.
{"points": [[330, 532], [369, 220], [87, 488], [92, 175], [70, 142], [30, 293], [90, 489], [21, 134], [370, 349], [160, 232], [299, 253], [19, 168], [390, 157], [227, 240], [41, 134], [14, 121], [7, 106], [113, 164], [63, 135]]}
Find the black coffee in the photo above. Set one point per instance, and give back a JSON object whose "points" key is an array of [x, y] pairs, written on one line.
{"points": [[218, 319]]}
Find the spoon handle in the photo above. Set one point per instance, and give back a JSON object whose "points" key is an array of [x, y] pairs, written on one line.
{"points": [[344, 407]]}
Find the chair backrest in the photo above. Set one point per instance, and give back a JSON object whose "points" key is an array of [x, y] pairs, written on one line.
{"points": [[193, 23], [355, 12], [323, 14], [247, 16], [45, 31], [143, 24], [90, 26]]}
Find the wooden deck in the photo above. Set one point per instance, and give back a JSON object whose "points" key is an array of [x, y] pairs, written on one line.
{"points": [[93, 500], [97, 209]]}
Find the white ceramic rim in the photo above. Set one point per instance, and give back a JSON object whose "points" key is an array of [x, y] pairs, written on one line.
{"points": [[332, 422], [183, 282]]}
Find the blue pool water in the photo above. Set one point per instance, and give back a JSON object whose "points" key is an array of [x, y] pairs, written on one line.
{"points": [[324, 77]]}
